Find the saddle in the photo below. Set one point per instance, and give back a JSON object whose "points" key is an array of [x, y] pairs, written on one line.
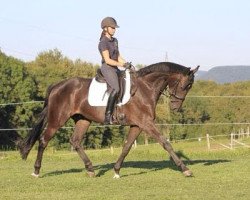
{"points": [[121, 79], [98, 92]]}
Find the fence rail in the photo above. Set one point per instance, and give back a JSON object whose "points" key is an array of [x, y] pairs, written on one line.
{"points": [[234, 140], [69, 127]]}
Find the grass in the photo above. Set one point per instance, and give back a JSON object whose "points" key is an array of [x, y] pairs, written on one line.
{"points": [[147, 174]]}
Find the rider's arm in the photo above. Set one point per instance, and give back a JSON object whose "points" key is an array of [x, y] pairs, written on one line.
{"points": [[121, 60], [110, 61]]}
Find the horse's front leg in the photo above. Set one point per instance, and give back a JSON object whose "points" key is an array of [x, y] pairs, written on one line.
{"points": [[152, 131], [134, 131]]}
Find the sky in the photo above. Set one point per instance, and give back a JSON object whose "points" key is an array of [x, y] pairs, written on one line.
{"points": [[188, 32]]}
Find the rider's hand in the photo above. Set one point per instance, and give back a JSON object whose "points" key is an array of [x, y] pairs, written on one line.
{"points": [[127, 65]]}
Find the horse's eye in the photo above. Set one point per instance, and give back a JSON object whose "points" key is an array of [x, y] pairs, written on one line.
{"points": [[187, 87]]}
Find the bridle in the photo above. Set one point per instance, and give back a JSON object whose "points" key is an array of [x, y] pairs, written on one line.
{"points": [[166, 92]]}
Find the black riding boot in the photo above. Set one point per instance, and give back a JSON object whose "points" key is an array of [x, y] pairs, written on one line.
{"points": [[110, 107]]}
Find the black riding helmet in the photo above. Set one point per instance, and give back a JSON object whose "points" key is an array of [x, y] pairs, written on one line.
{"points": [[109, 22]]}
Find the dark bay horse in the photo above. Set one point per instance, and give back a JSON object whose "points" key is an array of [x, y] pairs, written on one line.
{"points": [[69, 99]]}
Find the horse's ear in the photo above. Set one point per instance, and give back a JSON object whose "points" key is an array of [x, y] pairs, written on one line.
{"points": [[193, 71]]}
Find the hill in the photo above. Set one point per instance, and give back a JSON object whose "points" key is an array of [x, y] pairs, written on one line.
{"points": [[226, 74]]}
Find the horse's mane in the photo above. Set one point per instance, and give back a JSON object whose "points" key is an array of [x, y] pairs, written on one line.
{"points": [[164, 67]]}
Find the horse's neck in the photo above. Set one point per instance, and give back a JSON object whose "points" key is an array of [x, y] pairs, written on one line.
{"points": [[154, 83], [158, 81]]}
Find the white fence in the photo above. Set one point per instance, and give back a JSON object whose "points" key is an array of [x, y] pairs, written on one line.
{"points": [[236, 140]]}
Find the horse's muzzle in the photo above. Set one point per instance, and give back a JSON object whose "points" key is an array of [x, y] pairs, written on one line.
{"points": [[175, 106], [175, 109]]}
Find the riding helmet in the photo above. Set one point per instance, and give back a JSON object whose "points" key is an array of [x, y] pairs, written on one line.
{"points": [[109, 22]]}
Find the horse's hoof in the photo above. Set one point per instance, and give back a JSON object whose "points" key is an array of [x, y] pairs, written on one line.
{"points": [[91, 174], [35, 175], [116, 176], [188, 173]]}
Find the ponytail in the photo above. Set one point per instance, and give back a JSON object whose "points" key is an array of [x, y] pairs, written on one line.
{"points": [[102, 34]]}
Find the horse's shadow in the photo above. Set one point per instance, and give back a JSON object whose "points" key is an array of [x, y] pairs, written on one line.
{"points": [[61, 172], [147, 166]]}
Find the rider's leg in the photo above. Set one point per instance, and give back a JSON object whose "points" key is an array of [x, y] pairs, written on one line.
{"points": [[110, 75], [110, 107]]}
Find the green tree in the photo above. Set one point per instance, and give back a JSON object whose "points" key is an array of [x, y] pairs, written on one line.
{"points": [[93, 138], [15, 86], [52, 66]]}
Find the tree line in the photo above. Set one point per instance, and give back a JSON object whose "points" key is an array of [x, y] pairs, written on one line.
{"points": [[28, 81]]}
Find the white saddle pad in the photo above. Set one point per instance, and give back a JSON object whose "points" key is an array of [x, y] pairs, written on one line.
{"points": [[97, 96]]}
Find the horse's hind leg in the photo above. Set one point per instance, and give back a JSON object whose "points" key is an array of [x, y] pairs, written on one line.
{"points": [[43, 142], [132, 135], [81, 127]]}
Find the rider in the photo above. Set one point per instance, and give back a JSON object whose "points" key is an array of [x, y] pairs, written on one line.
{"points": [[111, 59]]}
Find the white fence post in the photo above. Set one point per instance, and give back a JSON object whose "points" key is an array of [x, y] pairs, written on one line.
{"points": [[231, 142], [208, 142], [112, 150], [135, 144]]}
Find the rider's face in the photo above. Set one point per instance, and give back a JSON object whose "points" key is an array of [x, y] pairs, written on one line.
{"points": [[111, 31]]}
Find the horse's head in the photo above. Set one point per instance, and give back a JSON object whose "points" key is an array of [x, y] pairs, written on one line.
{"points": [[178, 88]]}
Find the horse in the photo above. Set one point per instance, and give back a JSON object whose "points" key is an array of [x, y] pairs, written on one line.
{"points": [[69, 99]]}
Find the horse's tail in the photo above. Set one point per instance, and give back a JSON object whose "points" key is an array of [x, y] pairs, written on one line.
{"points": [[27, 143]]}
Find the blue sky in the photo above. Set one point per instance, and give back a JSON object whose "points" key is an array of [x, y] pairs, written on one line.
{"points": [[207, 33]]}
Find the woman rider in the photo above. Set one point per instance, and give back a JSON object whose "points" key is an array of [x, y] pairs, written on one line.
{"points": [[111, 59]]}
